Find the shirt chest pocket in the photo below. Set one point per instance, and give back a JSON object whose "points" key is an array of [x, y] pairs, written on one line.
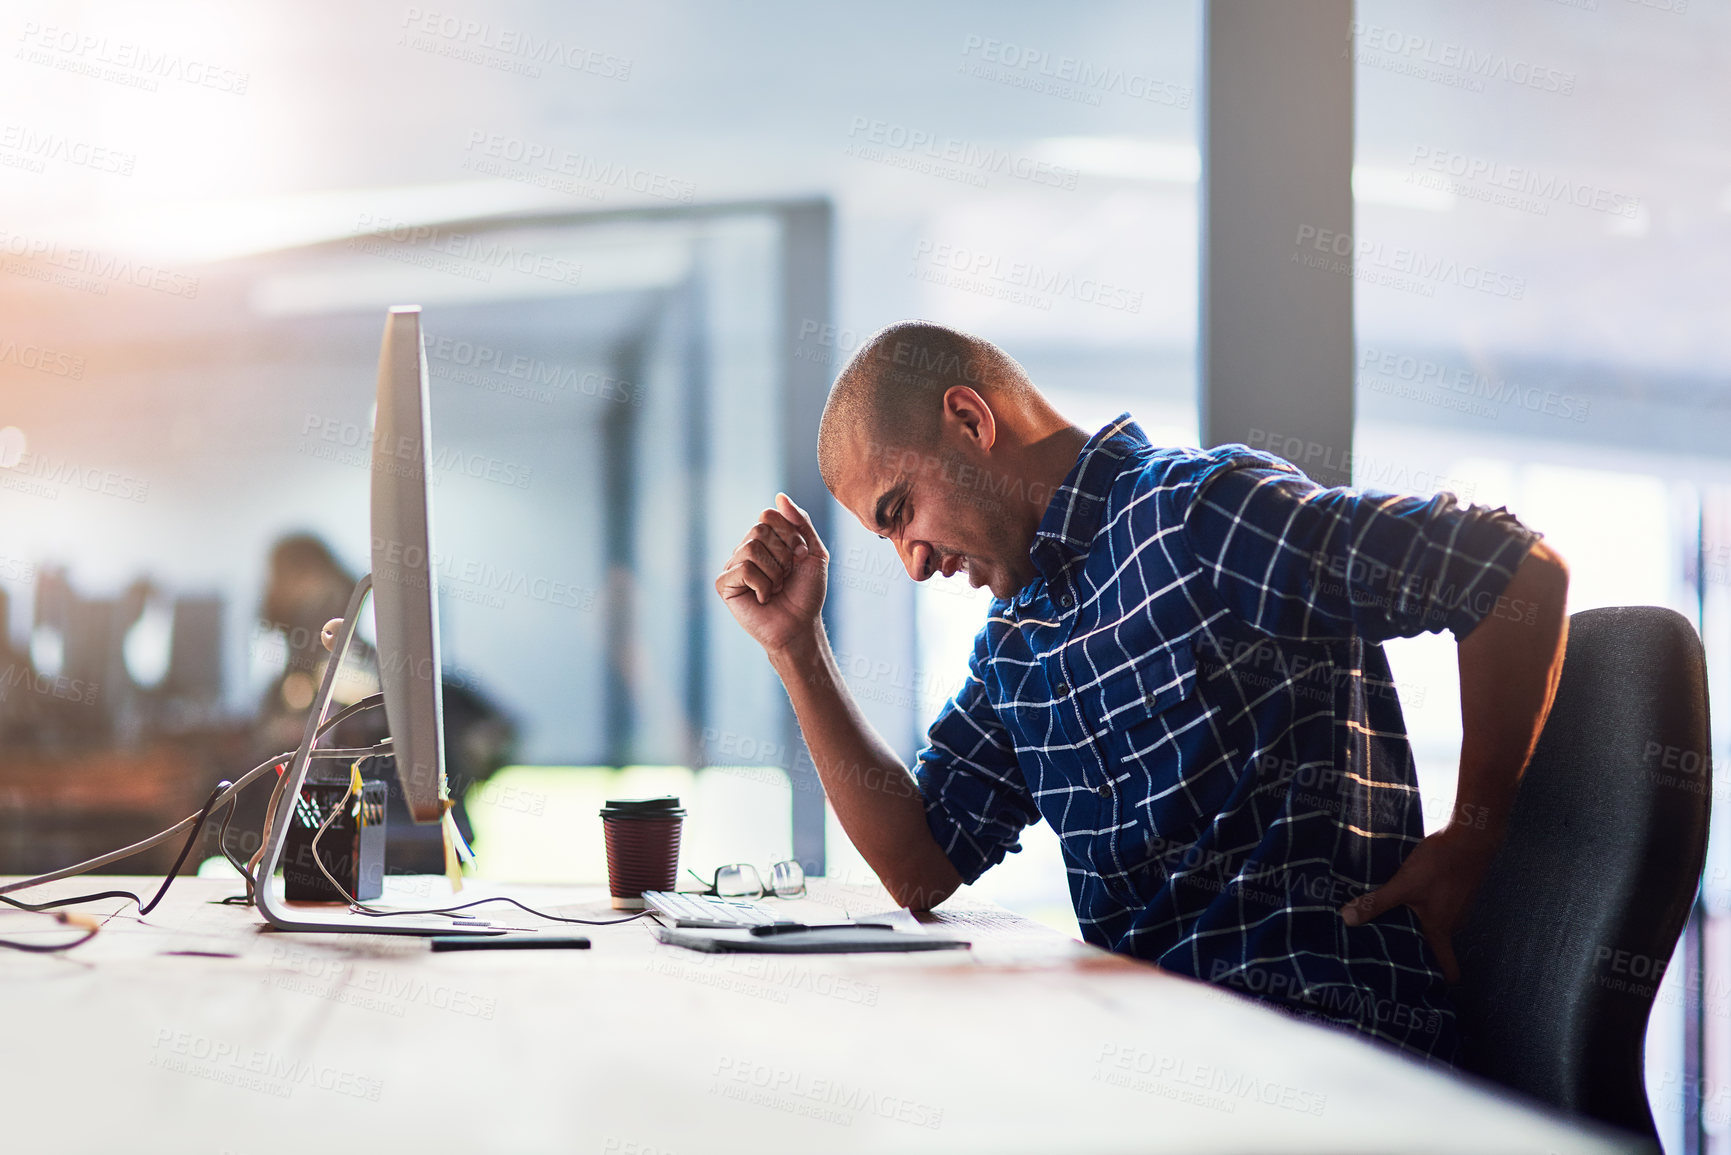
{"points": [[1154, 726], [1150, 686]]}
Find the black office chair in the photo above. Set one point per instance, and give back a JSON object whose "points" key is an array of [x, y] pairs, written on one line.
{"points": [[1578, 916]]}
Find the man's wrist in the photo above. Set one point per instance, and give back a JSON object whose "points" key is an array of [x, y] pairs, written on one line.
{"points": [[1477, 830], [801, 655], [1478, 819]]}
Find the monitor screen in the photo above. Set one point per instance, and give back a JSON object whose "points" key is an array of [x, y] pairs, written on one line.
{"points": [[404, 579]]}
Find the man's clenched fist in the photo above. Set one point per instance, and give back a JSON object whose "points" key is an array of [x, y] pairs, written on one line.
{"points": [[774, 582]]}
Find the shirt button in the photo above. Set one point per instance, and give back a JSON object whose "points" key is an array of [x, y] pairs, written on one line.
{"points": [[1105, 790], [1150, 698], [1065, 601], [1061, 689]]}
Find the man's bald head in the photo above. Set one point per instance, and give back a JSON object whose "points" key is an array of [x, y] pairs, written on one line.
{"points": [[892, 390]]}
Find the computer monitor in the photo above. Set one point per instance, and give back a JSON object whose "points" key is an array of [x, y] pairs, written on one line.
{"points": [[403, 585], [405, 612]]}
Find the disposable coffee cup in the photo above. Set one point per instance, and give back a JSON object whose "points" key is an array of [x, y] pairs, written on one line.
{"points": [[642, 847]]}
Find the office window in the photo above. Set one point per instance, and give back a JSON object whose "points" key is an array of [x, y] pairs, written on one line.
{"points": [[1022, 171], [1541, 211]]}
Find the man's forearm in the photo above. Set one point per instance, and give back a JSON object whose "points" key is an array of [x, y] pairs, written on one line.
{"points": [[875, 798], [1509, 667]]}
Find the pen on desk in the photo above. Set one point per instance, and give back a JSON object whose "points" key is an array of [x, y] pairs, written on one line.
{"points": [[794, 927]]}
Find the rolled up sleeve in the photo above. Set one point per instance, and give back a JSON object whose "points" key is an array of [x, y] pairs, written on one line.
{"points": [[1299, 560], [977, 801]]}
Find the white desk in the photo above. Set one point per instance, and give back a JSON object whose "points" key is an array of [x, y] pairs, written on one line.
{"points": [[195, 1031]]}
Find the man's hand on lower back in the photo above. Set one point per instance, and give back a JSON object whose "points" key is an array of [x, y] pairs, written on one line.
{"points": [[1439, 880], [1509, 672]]}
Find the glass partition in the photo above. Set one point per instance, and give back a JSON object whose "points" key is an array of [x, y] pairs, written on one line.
{"points": [[1540, 223]]}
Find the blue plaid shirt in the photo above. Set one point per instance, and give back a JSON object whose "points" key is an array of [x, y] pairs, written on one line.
{"points": [[1193, 694]]}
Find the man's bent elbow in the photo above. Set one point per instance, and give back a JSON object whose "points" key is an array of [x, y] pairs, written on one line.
{"points": [[916, 893], [1550, 563], [1547, 576]]}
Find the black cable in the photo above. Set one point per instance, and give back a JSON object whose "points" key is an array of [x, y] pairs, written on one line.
{"points": [[48, 948], [239, 866], [144, 908], [351, 753], [320, 833], [360, 909], [37, 907], [370, 702]]}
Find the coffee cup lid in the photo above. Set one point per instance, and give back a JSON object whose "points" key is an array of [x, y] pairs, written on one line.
{"points": [[666, 806]]}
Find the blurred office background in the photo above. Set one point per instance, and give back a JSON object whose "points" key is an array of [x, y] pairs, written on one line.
{"points": [[645, 237]]}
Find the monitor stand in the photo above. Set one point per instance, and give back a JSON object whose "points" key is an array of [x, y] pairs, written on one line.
{"points": [[309, 916]]}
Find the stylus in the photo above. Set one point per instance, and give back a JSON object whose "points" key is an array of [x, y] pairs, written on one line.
{"points": [[510, 942], [796, 927]]}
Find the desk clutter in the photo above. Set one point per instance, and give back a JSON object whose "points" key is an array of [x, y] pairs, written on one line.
{"points": [[643, 866]]}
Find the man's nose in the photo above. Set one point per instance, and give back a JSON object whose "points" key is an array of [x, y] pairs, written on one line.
{"points": [[917, 558]]}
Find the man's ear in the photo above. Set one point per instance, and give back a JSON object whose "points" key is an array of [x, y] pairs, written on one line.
{"points": [[969, 412]]}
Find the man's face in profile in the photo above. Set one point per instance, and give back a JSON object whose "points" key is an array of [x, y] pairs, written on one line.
{"points": [[948, 509]]}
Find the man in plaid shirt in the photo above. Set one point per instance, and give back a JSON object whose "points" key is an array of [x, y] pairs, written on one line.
{"points": [[1181, 671]]}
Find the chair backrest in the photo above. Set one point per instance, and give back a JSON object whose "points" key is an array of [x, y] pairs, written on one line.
{"points": [[1577, 919]]}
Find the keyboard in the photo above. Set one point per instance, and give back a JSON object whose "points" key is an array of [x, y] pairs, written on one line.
{"points": [[705, 910]]}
